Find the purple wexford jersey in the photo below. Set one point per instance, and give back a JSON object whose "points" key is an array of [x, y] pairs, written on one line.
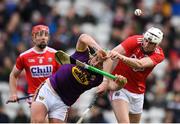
{"points": [[70, 81]]}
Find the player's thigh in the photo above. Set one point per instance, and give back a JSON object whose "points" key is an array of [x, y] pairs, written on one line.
{"points": [[58, 111], [38, 112], [120, 104], [121, 110], [136, 106], [39, 106]]}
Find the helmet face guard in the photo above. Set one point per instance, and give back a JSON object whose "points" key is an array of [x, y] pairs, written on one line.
{"points": [[153, 35]]}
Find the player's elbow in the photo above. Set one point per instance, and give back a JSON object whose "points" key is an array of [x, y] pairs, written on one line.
{"points": [[11, 75], [14, 74], [83, 38]]}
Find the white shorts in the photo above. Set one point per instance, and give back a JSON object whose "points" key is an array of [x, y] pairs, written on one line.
{"points": [[135, 101], [55, 106]]}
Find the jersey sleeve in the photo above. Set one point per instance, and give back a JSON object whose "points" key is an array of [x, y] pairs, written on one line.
{"points": [[158, 56], [19, 63], [131, 43]]}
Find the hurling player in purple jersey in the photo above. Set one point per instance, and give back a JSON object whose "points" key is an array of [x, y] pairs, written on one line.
{"points": [[61, 90]]}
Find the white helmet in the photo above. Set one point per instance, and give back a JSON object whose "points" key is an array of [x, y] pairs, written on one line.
{"points": [[154, 35]]}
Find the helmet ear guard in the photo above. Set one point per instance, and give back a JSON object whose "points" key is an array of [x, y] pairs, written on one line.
{"points": [[154, 35]]}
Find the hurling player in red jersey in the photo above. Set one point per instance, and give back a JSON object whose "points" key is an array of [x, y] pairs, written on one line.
{"points": [[135, 58], [38, 62]]}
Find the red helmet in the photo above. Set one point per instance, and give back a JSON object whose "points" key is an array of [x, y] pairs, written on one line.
{"points": [[38, 28]]}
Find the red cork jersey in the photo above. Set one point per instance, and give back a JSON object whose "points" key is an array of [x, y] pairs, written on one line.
{"points": [[38, 66], [137, 77]]}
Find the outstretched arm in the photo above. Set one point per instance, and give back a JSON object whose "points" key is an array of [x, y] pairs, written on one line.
{"points": [[109, 84], [109, 66], [86, 40], [132, 62]]}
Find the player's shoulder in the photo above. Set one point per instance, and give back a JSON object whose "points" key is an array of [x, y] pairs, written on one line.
{"points": [[52, 50], [159, 50], [27, 52], [138, 38], [32, 51]]}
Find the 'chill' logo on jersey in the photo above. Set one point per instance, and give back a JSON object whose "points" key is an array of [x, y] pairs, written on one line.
{"points": [[41, 70]]}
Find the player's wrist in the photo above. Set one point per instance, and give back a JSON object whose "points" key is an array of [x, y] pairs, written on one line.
{"points": [[13, 95], [122, 82], [105, 80]]}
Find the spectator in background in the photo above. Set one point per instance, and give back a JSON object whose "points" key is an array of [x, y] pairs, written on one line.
{"points": [[38, 62], [7, 63], [75, 29], [174, 59], [6, 60], [3, 117], [72, 18], [173, 109], [73, 115], [88, 17], [21, 117], [97, 115], [103, 102]]}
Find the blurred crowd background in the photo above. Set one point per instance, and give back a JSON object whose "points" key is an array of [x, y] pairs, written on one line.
{"points": [[109, 22]]}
